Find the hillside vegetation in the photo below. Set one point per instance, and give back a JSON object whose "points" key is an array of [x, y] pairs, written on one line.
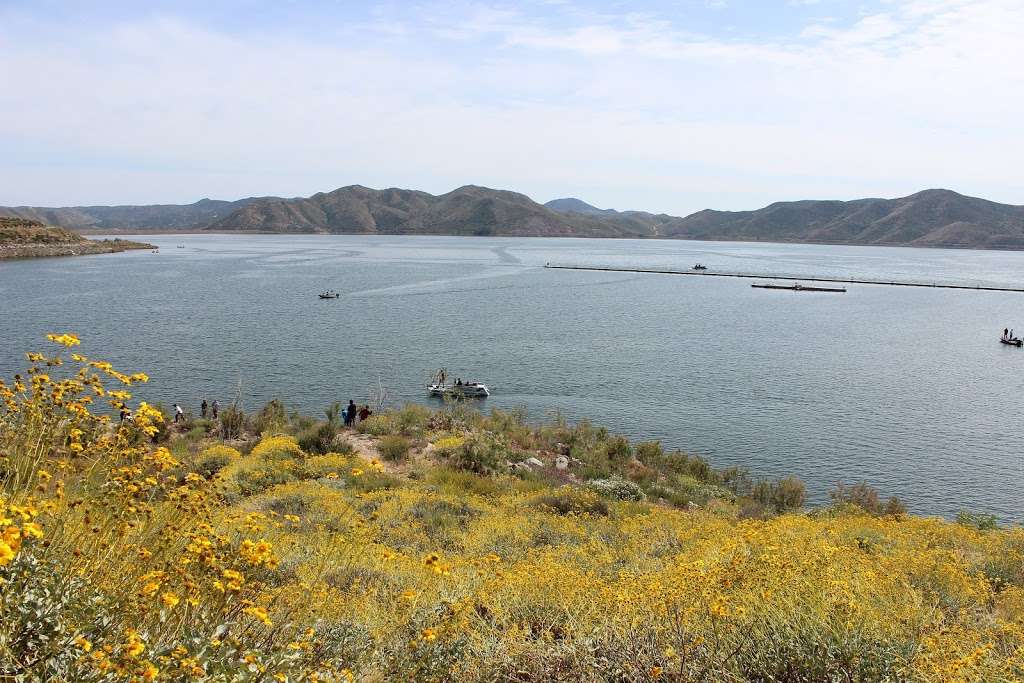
{"points": [[271, 546]]}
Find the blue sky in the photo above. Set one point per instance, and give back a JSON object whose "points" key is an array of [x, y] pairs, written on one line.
{"points": [[657, 105]]}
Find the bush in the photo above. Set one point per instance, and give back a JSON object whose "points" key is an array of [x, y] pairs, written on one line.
{"points": [[782, 495], [376, 425], [232, 422], [278, 448], [617, 488], [981, 522], [482, 453], [411, 420], [393, 448], [867, 499], [319, 439], [215, 458], [569, 500], [272, 418], [255, 480]]}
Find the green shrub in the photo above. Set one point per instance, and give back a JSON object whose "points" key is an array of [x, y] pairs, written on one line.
{"points": [[411, 420], [393, 448], [866, 498], [318, 439], [214, 459], [376, 425], [232, 422], [782, 495], [257, 480], [617, 488], [981, 522], [272, 418], [482, 453], [460, 481], [572, 500]]}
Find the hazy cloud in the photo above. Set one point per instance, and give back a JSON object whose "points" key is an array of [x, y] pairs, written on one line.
{"points": [[634, 109]]}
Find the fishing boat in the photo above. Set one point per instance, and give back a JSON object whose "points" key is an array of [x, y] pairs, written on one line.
{"points": [[441, 388], [328, 295], [797, 287], [464, 390], [1011, 341], [699, 266]]}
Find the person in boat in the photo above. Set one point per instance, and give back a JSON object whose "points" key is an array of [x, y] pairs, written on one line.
{"points": [[1006, 333], [364, 413]]}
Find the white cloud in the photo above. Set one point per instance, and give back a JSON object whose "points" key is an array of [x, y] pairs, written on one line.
{"points": [[626, 110]]}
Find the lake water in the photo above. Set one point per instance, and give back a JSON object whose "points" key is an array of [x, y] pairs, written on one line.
{"points": [[907, 389]]}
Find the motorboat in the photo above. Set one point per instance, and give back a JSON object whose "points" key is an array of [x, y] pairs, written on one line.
{"points": [[1011, 341], [328, 295], [459, 390], [699, 266]]}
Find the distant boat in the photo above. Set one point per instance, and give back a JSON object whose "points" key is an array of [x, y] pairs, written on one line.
{"points": [[699, 266], [1014, 341], [181, 246], [328, 295], [797, 287]]}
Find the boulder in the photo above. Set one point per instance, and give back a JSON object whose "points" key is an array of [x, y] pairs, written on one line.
{"points": [[534, 462], [561, 463]]}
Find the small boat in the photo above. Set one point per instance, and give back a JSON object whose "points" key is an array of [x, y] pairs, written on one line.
{"points": [[699, 266], [181, 246], [797, 287], [328, 295], [1011, 341], [464, 390]]}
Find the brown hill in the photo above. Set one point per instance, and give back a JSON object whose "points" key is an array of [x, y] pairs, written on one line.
{"points": [[25, 238], [933, 218], [145, 217], [469, 210]]}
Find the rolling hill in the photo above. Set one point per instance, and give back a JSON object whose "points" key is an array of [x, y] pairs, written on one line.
{"points": [[932, 218]]}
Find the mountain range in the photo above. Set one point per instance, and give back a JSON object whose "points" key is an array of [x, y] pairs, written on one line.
{"points": [[933, 218]]}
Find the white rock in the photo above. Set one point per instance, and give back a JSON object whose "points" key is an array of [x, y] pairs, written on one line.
{"points": [[534, 461], [561, 463]]}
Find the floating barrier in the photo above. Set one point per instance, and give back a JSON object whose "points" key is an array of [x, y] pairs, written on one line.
{"points": [[795, 278]]}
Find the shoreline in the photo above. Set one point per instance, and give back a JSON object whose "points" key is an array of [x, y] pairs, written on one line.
{"points": [[193, 231]]}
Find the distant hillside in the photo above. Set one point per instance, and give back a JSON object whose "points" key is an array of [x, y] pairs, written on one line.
{"points": [[469, 210], [933, 218], [146, 217]]}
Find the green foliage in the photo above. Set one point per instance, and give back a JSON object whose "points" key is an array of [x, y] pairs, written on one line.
{"points": [[232, 422], [782, 495], [393, 448], [867, 499], [981, 522], [482, 453], [272, 418], [251, 481], [376, 425], [319, 439], [568, 500], [462, 482], [38, 628], [617, 488]]}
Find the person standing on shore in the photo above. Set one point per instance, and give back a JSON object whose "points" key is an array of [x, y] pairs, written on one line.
{"points": [[203, 408], [350, 414], [364, 413], [179, 414], [216, 408]]}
